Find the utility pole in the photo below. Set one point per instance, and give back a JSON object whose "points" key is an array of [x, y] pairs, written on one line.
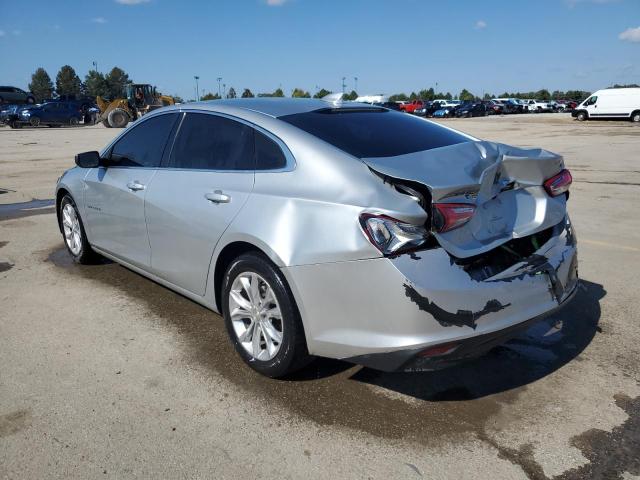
{"points": [[355, 79], [224, 90], [95, 66], [197, 90], [344, 85], [219, 93]]}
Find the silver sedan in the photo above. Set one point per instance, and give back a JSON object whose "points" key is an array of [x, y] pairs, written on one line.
{"points": [[331, 229]]}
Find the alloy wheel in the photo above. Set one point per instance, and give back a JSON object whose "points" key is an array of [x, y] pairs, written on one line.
{"points": [[255, 316], [71, 227]]}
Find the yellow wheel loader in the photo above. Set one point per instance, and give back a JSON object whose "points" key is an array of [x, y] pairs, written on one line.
{"points": [[139, 98]]}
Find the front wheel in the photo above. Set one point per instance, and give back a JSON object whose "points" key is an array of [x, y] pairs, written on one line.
{"points": [[635, 117], [262, 318], [34, 121], [73, 232]]}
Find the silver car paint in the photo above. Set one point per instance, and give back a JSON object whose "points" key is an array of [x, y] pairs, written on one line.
{"points": [[305, 219]]}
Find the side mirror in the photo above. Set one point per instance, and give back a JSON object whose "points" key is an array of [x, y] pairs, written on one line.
{"points": [[88, 159]]}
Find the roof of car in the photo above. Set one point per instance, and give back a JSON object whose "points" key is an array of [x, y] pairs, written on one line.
{"points": [[274, 107]]}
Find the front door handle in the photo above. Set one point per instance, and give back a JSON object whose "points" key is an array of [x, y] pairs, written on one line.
{"points": [[217, 197], [135, 186]]}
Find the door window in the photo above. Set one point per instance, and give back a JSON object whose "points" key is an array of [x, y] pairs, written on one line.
{"points": [[144, 144], [591, 101], [211, 142]]}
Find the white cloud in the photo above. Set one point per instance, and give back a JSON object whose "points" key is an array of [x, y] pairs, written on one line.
{"points": [[99, 20], [276, 3], [630, 35], [480, 24], [132, 2]]}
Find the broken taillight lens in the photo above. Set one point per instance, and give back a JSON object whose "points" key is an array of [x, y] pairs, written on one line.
{"points": [[558, 184], [392, 236], [447, 216]]}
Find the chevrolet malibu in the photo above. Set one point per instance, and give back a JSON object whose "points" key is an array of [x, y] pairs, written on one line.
{"points": [[330, 229]]}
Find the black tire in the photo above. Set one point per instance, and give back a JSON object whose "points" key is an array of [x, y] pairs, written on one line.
{"points": [[118, 118], [15, 124], [292, 354], [105, 122], [635, 116], [30, 100], [34, 121], [86, 255], [581, 116], [73, 122]]}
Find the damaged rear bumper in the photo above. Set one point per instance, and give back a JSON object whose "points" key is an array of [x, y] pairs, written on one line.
{"points": [[384, 312]]}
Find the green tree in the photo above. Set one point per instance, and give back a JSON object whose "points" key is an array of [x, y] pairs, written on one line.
{"points": [[95, 84], [278, 93], [542, 94], [41, 85], [427, 94], [232, 93], [466, 95], [398, 97], [352, 95], [247, 93], [300, 93], [67, 81], [116, 80], [177, 98], [322, 93], [212, 96]]}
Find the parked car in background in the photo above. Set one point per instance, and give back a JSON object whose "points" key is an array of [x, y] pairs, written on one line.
{"points": [[16, 95], [412, 106], [495, 107], [311, 225], [477, 109], [445, 111], [389, 105], [610, 103], [538, 106], [52, 114], [9, 114]]}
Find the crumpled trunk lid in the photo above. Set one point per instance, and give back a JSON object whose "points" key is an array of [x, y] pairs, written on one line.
{"points": [[504, 183]]}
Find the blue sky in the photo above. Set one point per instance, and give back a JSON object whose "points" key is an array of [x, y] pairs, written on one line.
{"points": [[391, 46]]}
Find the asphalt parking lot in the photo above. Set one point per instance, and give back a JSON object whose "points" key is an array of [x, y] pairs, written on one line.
{"points": [[106, 374]]}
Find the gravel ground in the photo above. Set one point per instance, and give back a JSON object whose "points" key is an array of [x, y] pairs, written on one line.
{"points": [[107, 374]]}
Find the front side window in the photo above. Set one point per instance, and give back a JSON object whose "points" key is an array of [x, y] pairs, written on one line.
{"points": [[211, 142], [372, 132], [591, 101], [144, 144]]}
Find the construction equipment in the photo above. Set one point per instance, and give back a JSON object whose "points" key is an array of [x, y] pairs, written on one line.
{"points": [[139, 99]]}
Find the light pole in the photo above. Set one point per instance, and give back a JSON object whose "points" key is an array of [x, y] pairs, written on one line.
{"points": [[224, 89], [95, 66], [197, 90], [219, 80], [343, 84], [355, 79]]}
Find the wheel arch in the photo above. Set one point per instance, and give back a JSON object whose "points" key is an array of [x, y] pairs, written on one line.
{"points": [[635, 112], [227, 254]]}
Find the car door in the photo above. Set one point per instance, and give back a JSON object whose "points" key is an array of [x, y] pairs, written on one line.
{"points": [[191, 201], [114, 195], [591, 106]]}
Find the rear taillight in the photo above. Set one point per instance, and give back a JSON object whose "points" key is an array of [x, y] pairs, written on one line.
{"points": [[558, 184], [447, 216], [392, 236]]}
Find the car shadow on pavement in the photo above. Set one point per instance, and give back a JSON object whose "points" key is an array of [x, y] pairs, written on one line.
{"points": [[534, 354]]}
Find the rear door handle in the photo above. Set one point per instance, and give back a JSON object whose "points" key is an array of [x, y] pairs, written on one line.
{"points": [[217, 197], [135, 186]]}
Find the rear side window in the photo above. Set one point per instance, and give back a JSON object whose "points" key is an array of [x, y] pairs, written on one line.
{"points": [[144, 144], [371, 133], [210, 142], [269, 156]]}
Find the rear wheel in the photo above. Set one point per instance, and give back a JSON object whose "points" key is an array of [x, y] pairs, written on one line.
{"points": [[581, 116], [73, 232], [34, 121], [105, 122], [73, 121], [262, 318], [31, 100], [635, 116], [118, 118]]}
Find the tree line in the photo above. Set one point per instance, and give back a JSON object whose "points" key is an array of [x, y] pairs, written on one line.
{"points": [[111, 85]]}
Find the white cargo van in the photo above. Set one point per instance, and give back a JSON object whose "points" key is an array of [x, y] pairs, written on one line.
{"points": [[610, 103]]}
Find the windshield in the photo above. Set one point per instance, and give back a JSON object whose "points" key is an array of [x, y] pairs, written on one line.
{"points": [[371, 133]]}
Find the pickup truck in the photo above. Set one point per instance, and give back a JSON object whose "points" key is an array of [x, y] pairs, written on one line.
{"points": [[412, 106], [537, 106]]}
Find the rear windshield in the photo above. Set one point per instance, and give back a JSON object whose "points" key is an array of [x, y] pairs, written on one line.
{"points": [[371, 133]]}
